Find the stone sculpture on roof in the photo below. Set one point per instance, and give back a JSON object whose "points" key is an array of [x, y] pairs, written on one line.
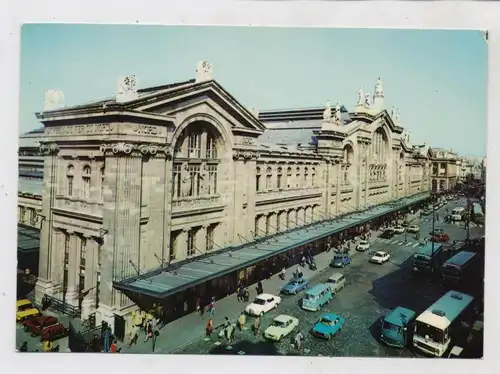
{"points": [[360, 96], [204, 71], [368, 100], [53, 99], [327, 114], [126, 88], [393, 113], [337, 115], [379, 89]]}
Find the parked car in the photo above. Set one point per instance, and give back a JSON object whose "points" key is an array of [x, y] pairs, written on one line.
{"points": [[363, 245], [405, 223], [339, 261], [328, 325], [413, 229], [47, 327], [399, 229], [25, 309], [263, 303], [281, 327], [294, 286], [426, 212], [336, 282], [387, 234], [437, 231], [380, 257], [440, 238]]}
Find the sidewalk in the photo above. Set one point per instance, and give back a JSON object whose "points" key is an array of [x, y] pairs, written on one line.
{"points": [[190, 328]]}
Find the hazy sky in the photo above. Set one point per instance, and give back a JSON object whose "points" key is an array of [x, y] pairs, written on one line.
{"points": [[437, 78]]}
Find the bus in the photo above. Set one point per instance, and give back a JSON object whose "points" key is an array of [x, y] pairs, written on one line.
{"points": [[428, 259], [442, 322], [457, 214], [477, 214], [461, 268]]}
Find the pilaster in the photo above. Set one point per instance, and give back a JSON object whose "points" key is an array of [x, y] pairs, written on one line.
{"points": [[71, 296], [88, 302]]}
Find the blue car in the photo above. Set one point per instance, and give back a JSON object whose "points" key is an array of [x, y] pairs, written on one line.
{"points": [[339, 261], [294, 286], [328, 325]]}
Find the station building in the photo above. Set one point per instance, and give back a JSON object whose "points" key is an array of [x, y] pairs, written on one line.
{"points": [[163, 194]]}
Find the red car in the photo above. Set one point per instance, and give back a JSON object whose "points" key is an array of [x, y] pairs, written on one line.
{"points": [[47, 327], [439, 238]]}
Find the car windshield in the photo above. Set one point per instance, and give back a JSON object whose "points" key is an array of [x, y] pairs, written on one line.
{"points": [[259, 301], [363, 242], [295, 282], [450, 269], [278, 323], [427, 331], [331, 281], [338, 258], [25, 307], [309, 296], [380, 254], [392, 327], [325, 321]]}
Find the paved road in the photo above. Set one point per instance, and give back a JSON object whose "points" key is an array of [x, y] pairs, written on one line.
{"points": [[371, 291]]}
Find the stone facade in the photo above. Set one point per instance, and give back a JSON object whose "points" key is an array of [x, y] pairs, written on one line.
{"points": [[445, 170], [159, 175]]}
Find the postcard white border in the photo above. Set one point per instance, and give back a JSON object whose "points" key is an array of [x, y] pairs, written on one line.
{"points": [[453, 15]]}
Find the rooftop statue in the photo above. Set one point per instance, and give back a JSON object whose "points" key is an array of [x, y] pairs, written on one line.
{"points": [[360, 96], [368, 100], [327, 114], [379, 89], [337, 116]]}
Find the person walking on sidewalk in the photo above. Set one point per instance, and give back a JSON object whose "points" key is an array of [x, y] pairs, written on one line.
{"points": [[209, 328], [260, 289], [212, 306], [298, 340], [198, 305], [246, 295], [227, 322], [256, 326], [149, 331], [241, 321]]}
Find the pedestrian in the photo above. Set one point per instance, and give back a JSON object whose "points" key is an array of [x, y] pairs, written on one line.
{"points": [[283, 274], [227, 322], [23, 347], [47, 346], [135, 337], [328, 247], [107, 338], [198, 305], [256, 326], [114, 346], [298, 340], [241, 321], [209, 328], [260, 289], [212, 306], [406, 239], [149, 331]]}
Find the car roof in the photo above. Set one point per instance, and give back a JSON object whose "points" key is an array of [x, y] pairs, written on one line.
{"points": [[336, 276], [329, 316], [23, 302], [265, 296], [283, 318]]}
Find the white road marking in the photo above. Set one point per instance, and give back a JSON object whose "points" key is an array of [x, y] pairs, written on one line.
{"points": [[217, 343], [408, 244], [416, 244], [393, 242]]}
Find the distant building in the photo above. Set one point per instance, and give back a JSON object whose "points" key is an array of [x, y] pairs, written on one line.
{"points": [[138, 185], [445, 170]]}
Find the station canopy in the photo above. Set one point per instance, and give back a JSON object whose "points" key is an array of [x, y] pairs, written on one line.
{"points": [[169, 280]]}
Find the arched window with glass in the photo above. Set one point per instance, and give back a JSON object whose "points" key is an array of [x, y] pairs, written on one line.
{"points": [[279, 178], [258, 181], [102, 172], [289, 177], [269, 178]]}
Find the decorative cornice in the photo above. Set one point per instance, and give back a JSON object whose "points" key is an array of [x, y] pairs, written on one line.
{"points": [[135, 150], [47, 148], [245, 155]]}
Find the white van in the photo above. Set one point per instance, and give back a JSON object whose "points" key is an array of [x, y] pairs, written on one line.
{"points": [[336, 282]]}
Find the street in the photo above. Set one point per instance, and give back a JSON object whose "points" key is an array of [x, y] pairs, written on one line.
{"points": [[371, 291]]}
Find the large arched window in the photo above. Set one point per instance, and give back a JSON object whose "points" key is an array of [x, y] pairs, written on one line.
{"points": [[313, 177], [288, 177], [306, 177], [297, 177], [70, 175], [86, 172], [348, 158], [196, 161]]}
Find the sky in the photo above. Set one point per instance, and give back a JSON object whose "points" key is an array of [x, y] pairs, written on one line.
{"points": [[437, 78]]}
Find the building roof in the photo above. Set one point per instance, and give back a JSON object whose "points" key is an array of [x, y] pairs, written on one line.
{"points": [[171, 279], [30, 186], [461, 258], [31, 139]]}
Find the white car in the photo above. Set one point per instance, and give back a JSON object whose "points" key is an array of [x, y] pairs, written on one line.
{"points": [[413, 228], [363, 245], [399, 229], [263, 303], [281, 327], [380, 257]]}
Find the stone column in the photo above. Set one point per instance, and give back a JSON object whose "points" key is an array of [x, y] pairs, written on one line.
{"points": [[201, 239], [73, 269], [338, 165], [88, 302], [181, 241], [50, 163], [57, 268]]}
